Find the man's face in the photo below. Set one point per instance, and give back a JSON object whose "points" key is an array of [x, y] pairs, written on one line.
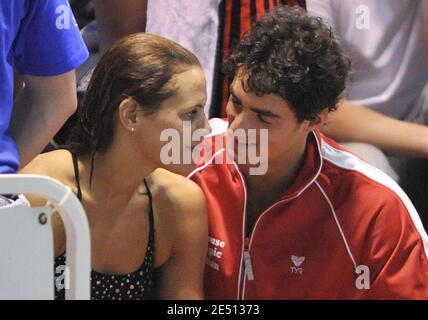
{"points": [[286, 136]]}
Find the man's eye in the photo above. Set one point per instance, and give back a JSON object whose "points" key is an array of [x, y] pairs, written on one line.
{"points": [[236, 105], [261, 118], [235, 102], [233, 99]]}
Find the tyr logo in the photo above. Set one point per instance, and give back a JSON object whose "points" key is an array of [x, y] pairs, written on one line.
{"points": [[297, 261]]}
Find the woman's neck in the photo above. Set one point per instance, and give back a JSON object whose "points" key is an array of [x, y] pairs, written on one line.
{"points": [[114, 173]]}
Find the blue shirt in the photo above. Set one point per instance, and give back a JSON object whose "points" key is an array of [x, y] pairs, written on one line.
{"points": [[39, 38]]}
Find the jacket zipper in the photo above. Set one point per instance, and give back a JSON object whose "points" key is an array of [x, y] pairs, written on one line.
{"points": [[245, 257], [249, 273]]}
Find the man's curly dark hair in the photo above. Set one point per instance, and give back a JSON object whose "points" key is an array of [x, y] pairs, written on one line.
{"points": [[294, 56]]}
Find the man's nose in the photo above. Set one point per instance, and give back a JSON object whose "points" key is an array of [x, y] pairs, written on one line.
{"points": [[237, 121], [232, 116]]}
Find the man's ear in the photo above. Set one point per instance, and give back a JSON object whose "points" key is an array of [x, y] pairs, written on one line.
{"points": [[128, 110], [321, 120]]}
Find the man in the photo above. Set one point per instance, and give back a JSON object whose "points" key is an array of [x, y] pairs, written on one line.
{"points": [[320, 223], [40, 47]]}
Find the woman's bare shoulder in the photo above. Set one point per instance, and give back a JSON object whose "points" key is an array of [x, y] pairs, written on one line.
{"points": [[177, 197], [166, 184], [182, 213]]}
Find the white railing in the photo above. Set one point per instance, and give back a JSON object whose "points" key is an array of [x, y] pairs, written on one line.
{"points": [[26, 241]]}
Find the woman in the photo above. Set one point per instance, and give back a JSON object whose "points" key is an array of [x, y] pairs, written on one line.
{"points": [[141, 216]]}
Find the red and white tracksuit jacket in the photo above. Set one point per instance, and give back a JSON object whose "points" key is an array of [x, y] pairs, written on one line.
{"points": [[344, 230]]}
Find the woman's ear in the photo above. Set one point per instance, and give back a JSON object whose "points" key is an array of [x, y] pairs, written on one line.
{"points": [[128, 110]]}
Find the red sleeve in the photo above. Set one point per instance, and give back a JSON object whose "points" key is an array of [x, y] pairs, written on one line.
{"points": [[395, 253]]}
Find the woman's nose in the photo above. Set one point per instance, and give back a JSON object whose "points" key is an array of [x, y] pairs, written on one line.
{"points": [[206, 125]]}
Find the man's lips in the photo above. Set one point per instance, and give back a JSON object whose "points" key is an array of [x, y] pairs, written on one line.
{"points": [[246, 144]]}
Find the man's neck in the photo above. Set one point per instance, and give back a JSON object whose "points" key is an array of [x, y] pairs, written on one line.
{"points": [[264, 190], [279, 177]]}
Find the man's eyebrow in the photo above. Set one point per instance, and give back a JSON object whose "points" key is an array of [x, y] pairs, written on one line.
{"points": [[264, 112]]}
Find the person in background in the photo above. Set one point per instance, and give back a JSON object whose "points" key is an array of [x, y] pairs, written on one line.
{"points": [[40, 47], [383, 118]]}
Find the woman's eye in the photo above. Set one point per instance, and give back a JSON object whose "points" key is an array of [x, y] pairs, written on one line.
{"points": [[192, 114]]}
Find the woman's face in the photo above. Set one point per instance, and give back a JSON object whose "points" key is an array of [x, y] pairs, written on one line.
{"points": [[165, 138]]}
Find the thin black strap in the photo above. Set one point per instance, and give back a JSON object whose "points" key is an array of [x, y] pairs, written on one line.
{"points": [[76, 175], [151, 217]]}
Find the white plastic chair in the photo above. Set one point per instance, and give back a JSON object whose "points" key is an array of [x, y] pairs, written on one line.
{"points": [[26, 241]]}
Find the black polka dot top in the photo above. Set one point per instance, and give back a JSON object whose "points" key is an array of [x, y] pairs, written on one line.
{"points": [[137, 285]]}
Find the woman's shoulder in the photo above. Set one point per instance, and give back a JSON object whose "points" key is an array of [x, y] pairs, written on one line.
{"points": [[175, 191], [179, 214], [166, 182]]}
